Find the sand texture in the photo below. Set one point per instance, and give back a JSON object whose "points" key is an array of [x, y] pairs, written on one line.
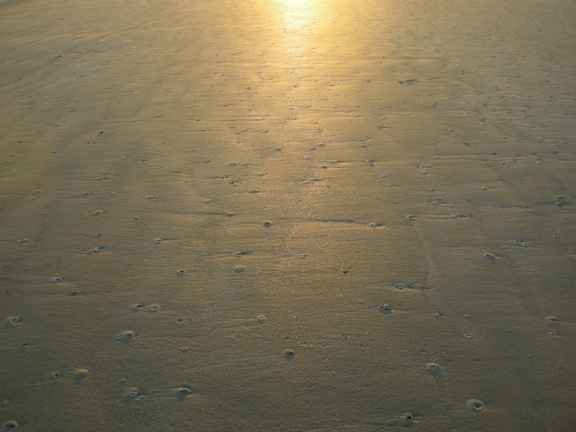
{"points": [[267, 215]]}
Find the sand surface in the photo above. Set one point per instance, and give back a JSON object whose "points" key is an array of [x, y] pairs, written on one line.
{"points": [[266, 215]]}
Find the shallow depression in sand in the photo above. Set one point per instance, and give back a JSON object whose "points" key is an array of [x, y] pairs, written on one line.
{"points": [[475, 405]]}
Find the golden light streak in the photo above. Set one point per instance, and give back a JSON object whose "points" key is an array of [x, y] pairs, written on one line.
{"points": [[298, 14]]}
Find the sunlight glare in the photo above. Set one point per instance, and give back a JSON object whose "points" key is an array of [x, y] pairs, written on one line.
{"points": [[297, 13], [297, 3]]}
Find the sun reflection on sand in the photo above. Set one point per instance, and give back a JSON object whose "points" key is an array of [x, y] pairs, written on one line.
{"points": [[298, 15], [301, 4]]}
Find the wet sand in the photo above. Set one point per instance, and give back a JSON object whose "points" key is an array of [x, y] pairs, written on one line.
{"points": [[249, 215]]}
